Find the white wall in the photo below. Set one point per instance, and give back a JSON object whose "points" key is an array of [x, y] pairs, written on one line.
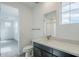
{"points": [[38, 17], [25, 21], [67, 31]]}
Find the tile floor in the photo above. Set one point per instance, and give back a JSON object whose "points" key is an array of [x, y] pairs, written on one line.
{"points": [[9, 48]]}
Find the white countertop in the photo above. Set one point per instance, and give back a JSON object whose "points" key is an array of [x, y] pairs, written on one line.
{"points": [[60, 45]]}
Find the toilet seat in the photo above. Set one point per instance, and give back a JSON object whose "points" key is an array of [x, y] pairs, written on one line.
{"points": [[28, 50]]}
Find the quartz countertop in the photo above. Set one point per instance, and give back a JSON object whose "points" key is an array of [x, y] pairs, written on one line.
{"points": [[60, 45]]}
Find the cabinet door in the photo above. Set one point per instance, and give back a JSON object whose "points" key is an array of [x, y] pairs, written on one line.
{"points": [[46, 54], [61, 54], [36, 52]]}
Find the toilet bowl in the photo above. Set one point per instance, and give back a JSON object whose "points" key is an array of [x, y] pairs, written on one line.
{"points": [[28, 50]]}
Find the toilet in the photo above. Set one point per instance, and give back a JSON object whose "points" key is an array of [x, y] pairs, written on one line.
{"points": [[28, 50]]}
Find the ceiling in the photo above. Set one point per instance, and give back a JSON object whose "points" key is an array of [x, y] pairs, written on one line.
{"points": [[30, 4]]}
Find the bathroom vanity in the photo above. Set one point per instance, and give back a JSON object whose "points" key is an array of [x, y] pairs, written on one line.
{"points": [[45, 51], [54, 48]]}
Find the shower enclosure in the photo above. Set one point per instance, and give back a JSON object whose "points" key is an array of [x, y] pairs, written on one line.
{"points": [[8, 31]]}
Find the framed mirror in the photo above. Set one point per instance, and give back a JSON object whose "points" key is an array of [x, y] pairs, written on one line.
{"points": [[50, 24]]}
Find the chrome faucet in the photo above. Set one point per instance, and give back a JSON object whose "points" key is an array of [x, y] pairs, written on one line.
{"points": [[48, 37]]}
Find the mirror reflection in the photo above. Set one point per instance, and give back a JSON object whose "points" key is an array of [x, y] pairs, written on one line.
{"points": [[50, 24]]}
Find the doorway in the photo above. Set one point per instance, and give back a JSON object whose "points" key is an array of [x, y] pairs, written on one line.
{"points": [[9, 17]]}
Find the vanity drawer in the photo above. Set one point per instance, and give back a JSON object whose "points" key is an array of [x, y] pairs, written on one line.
{"points": [[46, 54], [61, 54], [45, 48], [36, 45], [37, 52]]}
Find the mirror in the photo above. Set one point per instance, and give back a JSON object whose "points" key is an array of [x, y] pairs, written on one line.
{"points": [[50, 24]]}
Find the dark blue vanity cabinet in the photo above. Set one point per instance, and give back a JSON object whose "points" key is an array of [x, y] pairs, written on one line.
{"points": [[40, 50]]}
